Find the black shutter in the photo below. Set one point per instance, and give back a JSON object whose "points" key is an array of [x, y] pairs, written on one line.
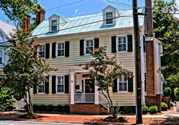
{"points": [[67, 45], [47, 86], [144, 43], [130, 84], [81, 47], [145, 82], [113, 44], [35, 89], [66, 84], [53, 84], [96, 42], [47, 50], [129, 38], [53, 50], [114, 89]]}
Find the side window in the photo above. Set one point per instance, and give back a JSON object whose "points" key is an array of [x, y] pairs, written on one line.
{"points": [[41, 50], [89, 45], [109, 17], [60, 49], [122, 84], [60, 84], [41, 87], [121, 43], [54, 25]]}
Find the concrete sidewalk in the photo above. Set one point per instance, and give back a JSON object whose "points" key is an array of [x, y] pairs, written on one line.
{"points": [[164, 117]]}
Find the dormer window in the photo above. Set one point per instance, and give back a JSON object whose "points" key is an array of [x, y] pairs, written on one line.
{"points": [[109, 17], [54, 25]]}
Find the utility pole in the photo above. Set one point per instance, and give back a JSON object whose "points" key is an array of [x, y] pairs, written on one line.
{"points": [[138, 63]]}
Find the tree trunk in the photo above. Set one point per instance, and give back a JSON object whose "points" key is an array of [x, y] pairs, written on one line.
{"points": [[111, 103], [30, 106]]}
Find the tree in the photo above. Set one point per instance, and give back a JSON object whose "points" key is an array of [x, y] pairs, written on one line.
{"points": [[105, 70], [16, 10], [166, 29], [25, 67]]}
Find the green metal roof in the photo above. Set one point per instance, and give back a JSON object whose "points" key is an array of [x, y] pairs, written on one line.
{"points": [[87, 23]]}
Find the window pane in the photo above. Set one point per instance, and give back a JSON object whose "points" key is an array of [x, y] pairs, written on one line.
{"points": [[122, 44], [61, 49], [41, 87], [89, 46], [42, 50], [122, 86], [60, 84]]}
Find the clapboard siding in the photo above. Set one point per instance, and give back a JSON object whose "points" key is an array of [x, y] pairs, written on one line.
{"points": [[125, 58]]}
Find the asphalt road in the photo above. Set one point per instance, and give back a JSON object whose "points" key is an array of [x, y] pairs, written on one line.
{"points": [[11, 122]]}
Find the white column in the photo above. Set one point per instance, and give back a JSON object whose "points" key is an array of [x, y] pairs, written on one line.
{"points": [[72, 80], [96, 97]]}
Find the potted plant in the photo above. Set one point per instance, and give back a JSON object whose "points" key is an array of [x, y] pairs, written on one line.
{"points": [[167, 91]]}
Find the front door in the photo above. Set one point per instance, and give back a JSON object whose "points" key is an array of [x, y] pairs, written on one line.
{"points": [[89, 86]]}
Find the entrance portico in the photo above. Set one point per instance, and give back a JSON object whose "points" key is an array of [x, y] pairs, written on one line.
{"points": [[83, 89]]}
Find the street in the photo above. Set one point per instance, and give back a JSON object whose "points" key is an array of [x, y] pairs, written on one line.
{"points": [[12, 122]]}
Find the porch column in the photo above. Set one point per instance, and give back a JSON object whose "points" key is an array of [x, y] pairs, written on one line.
{"points": [[96, 95], [72, 80]]}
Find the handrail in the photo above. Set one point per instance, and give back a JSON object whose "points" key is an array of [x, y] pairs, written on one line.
{"points": [[103, 101]]}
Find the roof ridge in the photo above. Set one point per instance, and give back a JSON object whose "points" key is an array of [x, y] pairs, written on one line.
{"points": [[6, 23]]}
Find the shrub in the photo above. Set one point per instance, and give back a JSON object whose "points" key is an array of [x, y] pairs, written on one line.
{"points": [[127, 109], [176, 93], [153, 109], [6, 98], [167, 91], [164, 106], [145, 109]]}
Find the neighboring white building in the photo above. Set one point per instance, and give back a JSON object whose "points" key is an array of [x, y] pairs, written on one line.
{"points": [[5, 30]]}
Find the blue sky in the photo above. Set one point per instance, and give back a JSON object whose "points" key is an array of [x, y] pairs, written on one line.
{"points": [[79, 7]]}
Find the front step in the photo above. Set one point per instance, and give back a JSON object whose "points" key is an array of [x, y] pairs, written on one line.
{"points": [[103, 110]]}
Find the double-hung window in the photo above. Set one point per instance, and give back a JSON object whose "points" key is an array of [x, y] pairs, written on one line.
{"points": [[42, 50], [121, 43], [89, 46], [41, 87], [122, 83], [60, 84], [60, 49], [54, 25], [109, 17]]}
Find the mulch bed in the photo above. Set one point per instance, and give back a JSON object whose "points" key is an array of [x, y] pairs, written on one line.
{"points": [[91, 120]]}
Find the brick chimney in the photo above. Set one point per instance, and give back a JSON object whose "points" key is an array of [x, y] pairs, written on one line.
{"points": [[40, 16], [26, 23], [150, 65]]}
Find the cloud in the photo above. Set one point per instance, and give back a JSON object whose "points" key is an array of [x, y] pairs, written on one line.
{"points": [[76, 11]]}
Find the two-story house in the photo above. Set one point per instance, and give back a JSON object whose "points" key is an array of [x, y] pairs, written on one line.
{"points": [[65, 43]]}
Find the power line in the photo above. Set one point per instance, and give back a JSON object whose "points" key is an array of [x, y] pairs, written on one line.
{"points": [[78, 26], [65, 5]]}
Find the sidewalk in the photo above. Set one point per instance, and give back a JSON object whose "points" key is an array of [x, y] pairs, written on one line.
{"points": [[166, 117]]}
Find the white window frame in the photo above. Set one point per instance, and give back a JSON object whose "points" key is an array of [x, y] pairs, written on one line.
{"points": [[42, 83], [57, 49], [109, 18], [118, 81], [86, 46], [44, 51], [63, 85], [53, 25], [117, 43]]}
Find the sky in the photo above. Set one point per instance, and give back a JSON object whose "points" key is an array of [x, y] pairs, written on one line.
{"points": [[71, 8]]}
